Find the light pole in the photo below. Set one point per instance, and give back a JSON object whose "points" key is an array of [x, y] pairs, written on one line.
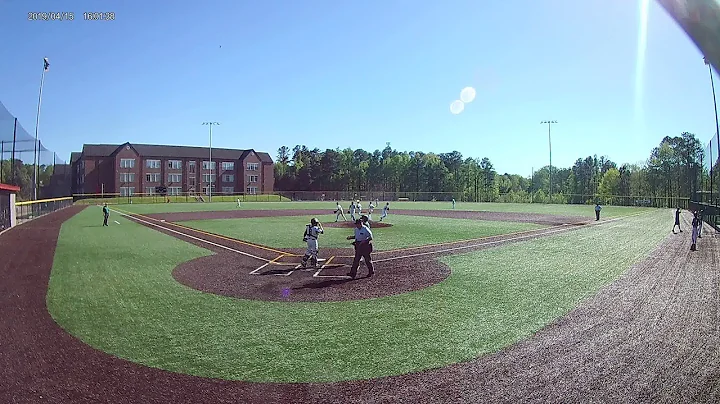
{"points": [[717, 126], [550, 146], [46, 65], [210, 185]]}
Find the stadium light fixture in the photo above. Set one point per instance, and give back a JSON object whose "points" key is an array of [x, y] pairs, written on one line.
{"points": [[550, 146], [210, 185]]}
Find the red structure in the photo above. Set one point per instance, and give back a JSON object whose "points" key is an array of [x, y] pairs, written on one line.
{"points": [[130, 169], [7, 205]]}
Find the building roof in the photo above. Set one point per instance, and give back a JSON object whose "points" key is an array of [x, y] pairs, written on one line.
{"points": [[149, 150], [8, 187]]}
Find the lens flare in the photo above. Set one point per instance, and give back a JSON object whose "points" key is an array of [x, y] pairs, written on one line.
{"points": [[457, 107], [467, 94]]}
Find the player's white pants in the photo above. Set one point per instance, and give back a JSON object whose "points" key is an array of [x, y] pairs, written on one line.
{"points": [[369, 217], [384, 214], [352, 216], [340, 213], [312, 250]]}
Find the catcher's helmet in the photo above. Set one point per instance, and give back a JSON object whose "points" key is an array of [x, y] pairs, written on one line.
{"points": [[313, 221]]}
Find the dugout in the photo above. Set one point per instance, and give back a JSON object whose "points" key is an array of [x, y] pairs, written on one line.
{"points": [[7, 205]]}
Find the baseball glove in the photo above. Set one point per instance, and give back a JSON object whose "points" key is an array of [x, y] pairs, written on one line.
{"points": [[335, 211]]}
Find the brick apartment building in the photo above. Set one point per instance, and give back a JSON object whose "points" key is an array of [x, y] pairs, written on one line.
{"points": [[129, 169]]}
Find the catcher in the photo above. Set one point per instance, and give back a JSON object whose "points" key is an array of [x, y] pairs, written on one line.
{"points": [[312, 232]]}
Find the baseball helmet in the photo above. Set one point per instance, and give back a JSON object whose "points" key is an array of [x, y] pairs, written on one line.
{"points": [[313, 221]]}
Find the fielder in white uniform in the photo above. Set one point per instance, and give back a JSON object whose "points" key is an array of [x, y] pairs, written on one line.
{"points": [[352, 211], [371, 208], [453, 203], [359, 207], [385, 211], [312, 232], [339, 212], [238, 202]]}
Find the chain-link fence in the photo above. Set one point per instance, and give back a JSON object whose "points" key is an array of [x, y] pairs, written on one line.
{"points": [[29, 210], [17, 156]]}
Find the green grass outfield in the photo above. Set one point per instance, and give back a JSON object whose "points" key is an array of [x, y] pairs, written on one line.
{"points": [[407, 231], [112, 288], [571, 210]]}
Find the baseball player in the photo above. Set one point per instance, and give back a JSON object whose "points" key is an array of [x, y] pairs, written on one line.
{"points": [[598, 208], [358, 205], [695, 225], [371, 209], [352, 211], [363, 248], [238, 201], [700, 222], [385, 211], [106, 214], [339, 212], [453, 201], [677, 221], [312, 232]]}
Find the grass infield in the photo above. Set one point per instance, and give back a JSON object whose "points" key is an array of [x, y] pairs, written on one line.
{"points": [[407, 231], [112, 288]]}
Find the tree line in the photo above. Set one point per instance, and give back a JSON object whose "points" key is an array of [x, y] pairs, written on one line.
{"points": [[24, 174], [673, 169]]}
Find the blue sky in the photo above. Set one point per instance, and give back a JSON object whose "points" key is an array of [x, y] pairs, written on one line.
{"points": [[333, 74]]}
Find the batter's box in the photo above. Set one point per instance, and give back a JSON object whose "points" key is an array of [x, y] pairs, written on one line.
{"points": [[285, 268]]}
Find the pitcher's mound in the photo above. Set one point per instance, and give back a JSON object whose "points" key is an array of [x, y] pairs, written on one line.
{"points": [[350, 224]]}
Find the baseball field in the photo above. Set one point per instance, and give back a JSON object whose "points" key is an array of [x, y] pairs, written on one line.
{"points": [[207, 302]]}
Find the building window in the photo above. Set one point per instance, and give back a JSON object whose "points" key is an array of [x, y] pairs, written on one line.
{"points": [[206, 190], [174, 178], [208, 178], [174, 164], [252, 166], [191, 167], [252, 178], [152, 163], [191, 182], [152, 177], [127, 177], [127, 191], [228, 178], [207, 166], [174, 190], [252, 190], [228, 166], [127, 163], [150, 190], [228, 190]]}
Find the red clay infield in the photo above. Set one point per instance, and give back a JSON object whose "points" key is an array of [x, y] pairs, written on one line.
{"points": [[651, 336]]}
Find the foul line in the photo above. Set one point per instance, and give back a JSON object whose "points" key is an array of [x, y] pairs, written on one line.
{"points": [[544, 233], [234, 240], [191, 237], [254, 272]]}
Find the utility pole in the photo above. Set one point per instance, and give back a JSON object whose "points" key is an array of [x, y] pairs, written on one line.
{"points": [[46, 65], [210, 185], [550, 146], [717, 126]]}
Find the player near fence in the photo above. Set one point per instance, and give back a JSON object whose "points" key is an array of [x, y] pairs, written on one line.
{"points": [[677, 221], [701, 215], [371, 209], [598, 208], [339, 211], [106, 214], [453, 202], [312, 232], [363, 249], [386, 208], [695, 224]]}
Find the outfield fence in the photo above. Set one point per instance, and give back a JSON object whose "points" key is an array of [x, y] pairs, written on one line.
{"points": [[29, 210], [185, 197], [616, 200]]}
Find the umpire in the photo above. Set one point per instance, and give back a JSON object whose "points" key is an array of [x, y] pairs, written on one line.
{"points": [[363, 248]]}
